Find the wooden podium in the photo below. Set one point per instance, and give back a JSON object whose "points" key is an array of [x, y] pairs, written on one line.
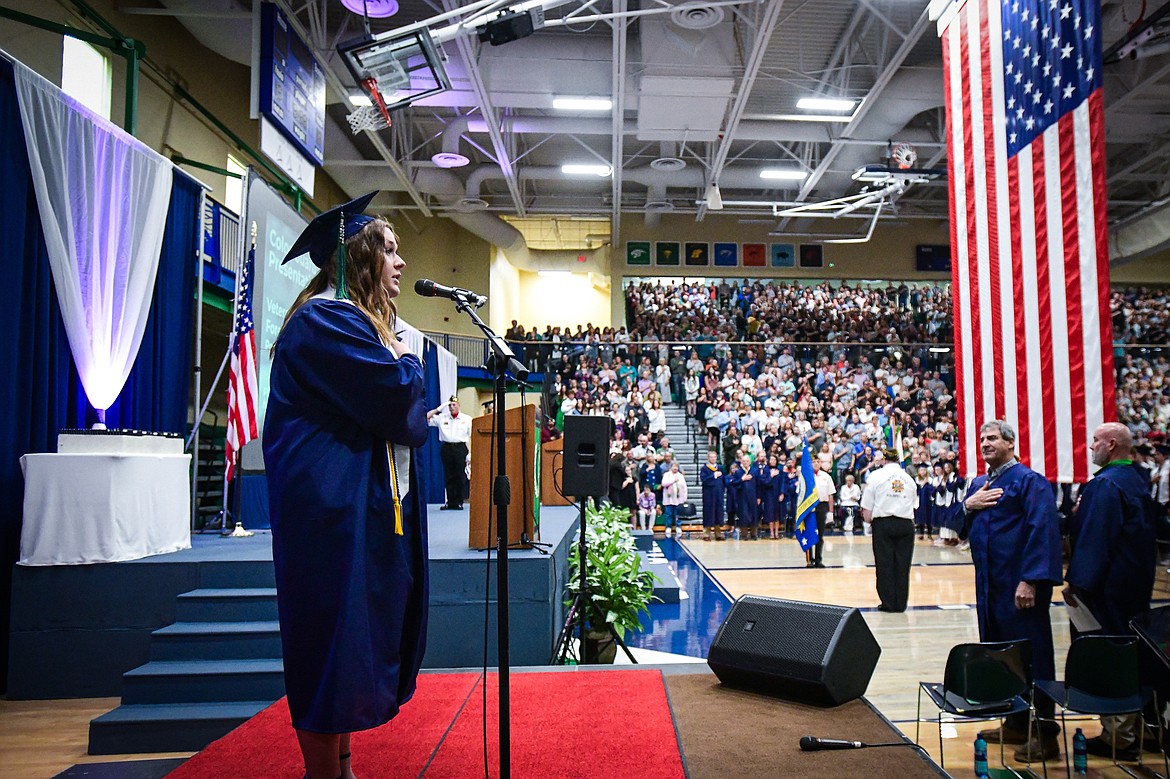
{"points": [[522, 460], [550, 469]]}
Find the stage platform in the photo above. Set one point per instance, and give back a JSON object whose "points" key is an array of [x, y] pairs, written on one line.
{"points": [[76, 630]]}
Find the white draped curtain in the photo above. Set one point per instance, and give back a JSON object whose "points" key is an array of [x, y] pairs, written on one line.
{"points": [[103, 199]]}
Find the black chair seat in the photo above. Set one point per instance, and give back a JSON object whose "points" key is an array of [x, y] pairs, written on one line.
{"points": [[961, 707], [1081, 701]]}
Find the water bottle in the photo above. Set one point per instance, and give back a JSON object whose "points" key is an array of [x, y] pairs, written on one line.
{"points": [[1080, 755], [981, 771]]}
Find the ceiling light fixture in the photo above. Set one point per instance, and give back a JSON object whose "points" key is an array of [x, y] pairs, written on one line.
{"points": [[582, 103], [825, 104], [375, 9], [780, 174], [574, 169]]}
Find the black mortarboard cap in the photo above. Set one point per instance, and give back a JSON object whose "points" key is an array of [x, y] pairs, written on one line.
{"points": [[319, 239]]}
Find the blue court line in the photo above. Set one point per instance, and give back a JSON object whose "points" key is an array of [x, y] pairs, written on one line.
{"points": [[689, 626], [802, 567]]}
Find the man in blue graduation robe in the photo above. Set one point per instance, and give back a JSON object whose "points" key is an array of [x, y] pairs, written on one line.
{"points": [[1111, 570], [711, 478], [1014, 531], [351, 571]]}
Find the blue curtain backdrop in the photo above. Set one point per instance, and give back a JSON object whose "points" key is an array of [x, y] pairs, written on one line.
{"points": [[432, 471], [41, 392]]}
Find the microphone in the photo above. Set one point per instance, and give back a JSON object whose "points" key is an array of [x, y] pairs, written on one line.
{"points": [[430, 289], [814, 744]]}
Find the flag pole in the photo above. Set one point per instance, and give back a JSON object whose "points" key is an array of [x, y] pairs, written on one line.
{"points": [[239, 531]]}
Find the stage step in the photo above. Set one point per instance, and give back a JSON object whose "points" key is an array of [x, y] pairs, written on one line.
{"points": [[251, 640], [174, 727], [227, 604], [237, 573], [203, 681], [666, 586]]}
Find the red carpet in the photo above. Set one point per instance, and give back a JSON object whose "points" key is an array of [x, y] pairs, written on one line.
{"points": [[564, 724]]}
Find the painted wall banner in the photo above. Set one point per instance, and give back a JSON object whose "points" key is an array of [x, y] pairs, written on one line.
{"points": [[812, 255], [637, 252], [698, 253], [727, 254], [783, 255], [755, 255], [666, 253]]}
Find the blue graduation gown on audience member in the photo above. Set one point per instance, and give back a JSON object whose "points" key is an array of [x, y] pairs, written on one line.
{"points": [[789, 484], [733, 479], [1017, 539], [351, 593], [713, 489], [766, 490], [747, 510], [924, 514], [1113, 547]]}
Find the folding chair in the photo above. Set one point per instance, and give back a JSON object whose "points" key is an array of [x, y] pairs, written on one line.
{"points": [[981, 682], [1101, 677]]}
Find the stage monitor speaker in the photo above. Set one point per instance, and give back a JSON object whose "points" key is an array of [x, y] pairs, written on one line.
{"points": [[585, 468], [804, 652]]}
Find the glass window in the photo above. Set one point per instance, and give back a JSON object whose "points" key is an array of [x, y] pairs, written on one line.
{"points": [[234, 191], [85, 76]]}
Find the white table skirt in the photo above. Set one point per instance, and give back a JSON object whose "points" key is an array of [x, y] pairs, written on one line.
{"points": [[104, 508]]}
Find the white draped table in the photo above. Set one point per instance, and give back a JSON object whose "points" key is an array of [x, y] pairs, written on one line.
{"points": [[104, 508]]}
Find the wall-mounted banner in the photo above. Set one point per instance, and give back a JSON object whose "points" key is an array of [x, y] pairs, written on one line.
{"points": [[637, 252], [666, 253], [755, 255], [812, 255], [783, 255], [727, 254], [698, 253]]}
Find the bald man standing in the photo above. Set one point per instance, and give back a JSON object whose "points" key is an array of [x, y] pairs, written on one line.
{"points": [[1111, 570]]}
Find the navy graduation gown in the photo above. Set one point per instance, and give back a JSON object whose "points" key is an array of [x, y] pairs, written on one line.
{"points": [[924, 514], [747, 509], [713, 488], [767, 489], [1113, 547], [351, 593], [733, 480], [1016, 540]]}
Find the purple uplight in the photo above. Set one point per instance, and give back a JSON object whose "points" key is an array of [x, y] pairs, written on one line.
{"points": [[375, 9]]}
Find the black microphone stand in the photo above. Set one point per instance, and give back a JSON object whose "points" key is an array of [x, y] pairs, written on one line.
{"points": [[500, 363]]}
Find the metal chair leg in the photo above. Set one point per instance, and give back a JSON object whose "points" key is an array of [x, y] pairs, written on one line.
{"points": [[918, 717], [942, 757]]}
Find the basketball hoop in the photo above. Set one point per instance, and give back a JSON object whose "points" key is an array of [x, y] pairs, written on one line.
{"points": [[371, 117]]}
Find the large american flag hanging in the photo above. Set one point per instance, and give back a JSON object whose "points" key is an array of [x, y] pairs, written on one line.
{"points": [[242, 425], [1026, 166]]}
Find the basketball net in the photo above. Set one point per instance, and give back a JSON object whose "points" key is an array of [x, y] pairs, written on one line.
{"points": [[371, 117]]}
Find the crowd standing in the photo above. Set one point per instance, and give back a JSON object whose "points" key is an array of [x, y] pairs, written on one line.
{"points": [[766, 368]]}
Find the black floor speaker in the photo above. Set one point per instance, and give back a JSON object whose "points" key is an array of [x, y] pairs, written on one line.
{"points": [[805, 652], [585, 467]]}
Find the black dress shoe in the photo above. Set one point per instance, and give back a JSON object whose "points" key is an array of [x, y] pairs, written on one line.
{"points": [[818, 565], [1099, 747], [445, 507]]}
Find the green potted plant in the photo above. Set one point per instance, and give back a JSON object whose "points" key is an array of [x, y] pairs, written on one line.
{"points": [[619, 589]]}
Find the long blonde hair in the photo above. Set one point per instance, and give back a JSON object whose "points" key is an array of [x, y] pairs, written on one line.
{"points": [[365, 260]]}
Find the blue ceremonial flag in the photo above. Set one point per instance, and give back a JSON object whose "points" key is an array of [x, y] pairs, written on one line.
{"points": [[807, 533]]}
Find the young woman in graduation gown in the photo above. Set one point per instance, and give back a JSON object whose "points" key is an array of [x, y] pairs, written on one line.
{"points": [[346, 407]]}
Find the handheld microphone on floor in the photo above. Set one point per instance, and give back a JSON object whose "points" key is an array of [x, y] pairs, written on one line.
{"points": [[814, 744]]}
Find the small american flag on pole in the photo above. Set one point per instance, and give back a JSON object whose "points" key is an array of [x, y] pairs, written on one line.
{"points": [[1026, 165], [242, 425]]}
